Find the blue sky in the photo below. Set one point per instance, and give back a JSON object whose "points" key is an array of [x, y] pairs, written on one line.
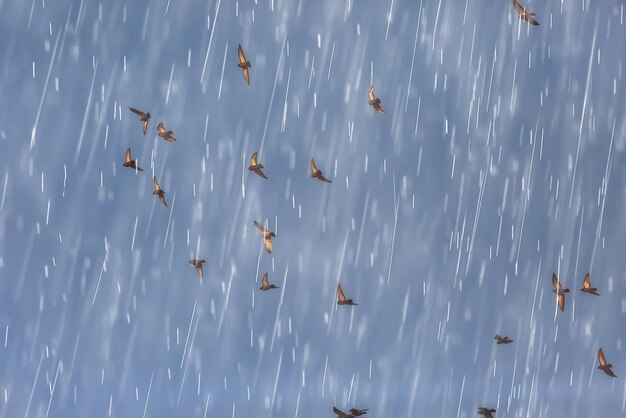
{"points": [[499, 161]]}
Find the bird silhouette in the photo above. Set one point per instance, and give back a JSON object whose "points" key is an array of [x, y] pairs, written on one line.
{"points": [[502, 340], [164, 133], [341, 297], [560, 291], [587, 286], [129, 162], [606, 368], [145, 118], [256, 167], [317, 173], [267, 236], [158, 191], [244, 64], [198, 265], [375, 102], [265, 283], [523, 14], [486, 412]]}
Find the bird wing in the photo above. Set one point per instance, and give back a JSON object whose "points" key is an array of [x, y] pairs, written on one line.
{"points": [[268, 245], [200, 270], [264, 280], [520, 9], [340, 296], [586, 281], [313, 166], [260, 173], [253, 159], [161, 128], [561, 301], [370, 93], [127, 157], [156, 184], [242, 56], [530, 19], [260, 227], [339, 412], [137, 112], [601, 358], [555, 281], [246, 75]]}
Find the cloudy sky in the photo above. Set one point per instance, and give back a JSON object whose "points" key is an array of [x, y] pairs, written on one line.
{"points": [[500, 160]]}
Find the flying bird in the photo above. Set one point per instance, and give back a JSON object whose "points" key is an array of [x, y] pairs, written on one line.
{"points": [[587, 286], [267, 236], [606, 368], [145, 118], [257, 168], [341, 414], [486, 412], [129, 162], [158, 191], [341, 298], [317, 173], [560, 291], [164, 133], [244, 64], [266, 283], [358, 412], [375, 102], [502, 340], [198, 264], [523, 14]]}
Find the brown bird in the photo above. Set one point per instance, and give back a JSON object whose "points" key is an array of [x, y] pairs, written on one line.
{"points": [[502, 340], [198, 264], [257, 168], [358, 412], [486, 412], [244, 64], [587, 286], [145, 117], [129, 162], [267, 236], [317, 173], [341, 298], [266, 283], [375, 102], [523, 14], [560, 291], [606, 368], [158, 191], [164, 133], [340, 413]]}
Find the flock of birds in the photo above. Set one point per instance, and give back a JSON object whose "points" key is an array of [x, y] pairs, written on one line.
{"points": [[268, 235]]}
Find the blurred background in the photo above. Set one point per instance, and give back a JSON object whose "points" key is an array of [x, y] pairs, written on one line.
{"points": [[500, 160]]}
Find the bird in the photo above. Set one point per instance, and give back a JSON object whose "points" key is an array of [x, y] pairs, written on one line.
{"points": [[317, 173], [164, 133], [358, 412], [244, 64], [341, 414], [523, 14], [158, 191], [341, 298], [129, 162], [145, 117], [606, 368], [486, 412], [198, 264], [587, 286], [267, 236], [502, 340], [375, 102], [266, 283], [560, 291], [257, 168]]}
